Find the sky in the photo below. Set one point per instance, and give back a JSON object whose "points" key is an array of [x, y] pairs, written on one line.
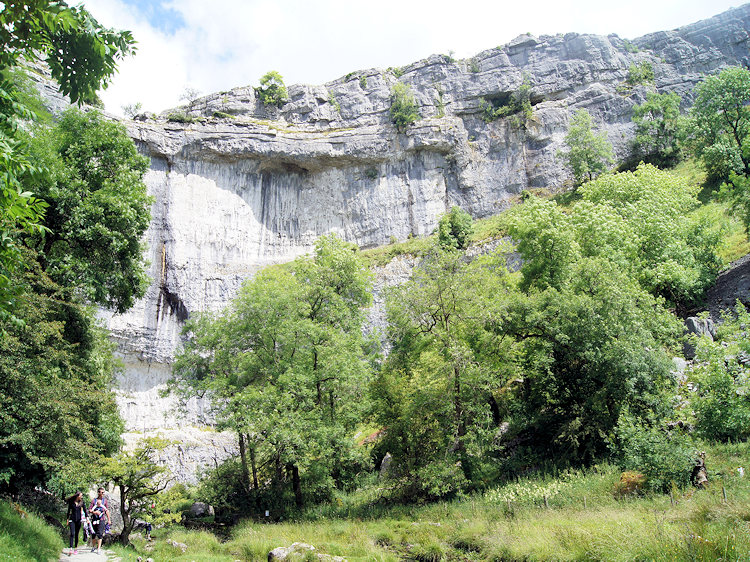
{"points": [[216, 45]]}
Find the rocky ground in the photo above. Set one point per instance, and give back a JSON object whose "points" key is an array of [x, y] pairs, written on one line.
{"points": [[732, 284]]}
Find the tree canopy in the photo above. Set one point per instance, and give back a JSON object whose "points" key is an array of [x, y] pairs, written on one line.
{"points": [[82, 56], [285, 368], [657, 128], [588, 154], [97, 207], [719, 128]]}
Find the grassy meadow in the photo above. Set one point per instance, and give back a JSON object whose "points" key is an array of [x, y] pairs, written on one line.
{"points": [[582, 520]]}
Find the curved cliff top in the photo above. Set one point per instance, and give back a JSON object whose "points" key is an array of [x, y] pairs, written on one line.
{"points": [[557, 67]]}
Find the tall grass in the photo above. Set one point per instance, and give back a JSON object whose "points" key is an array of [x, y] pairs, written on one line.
{"points": [[511, 522], [26, 538]]}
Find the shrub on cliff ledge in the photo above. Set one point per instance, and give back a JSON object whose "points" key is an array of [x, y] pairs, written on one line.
{"points": [[403, 106], [272, 90]]}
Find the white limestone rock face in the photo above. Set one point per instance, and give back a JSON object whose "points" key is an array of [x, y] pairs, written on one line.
{"points": [[234, 195], [192, 449]]}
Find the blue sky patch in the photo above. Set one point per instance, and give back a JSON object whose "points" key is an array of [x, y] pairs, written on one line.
{"points": [[159, 15]]}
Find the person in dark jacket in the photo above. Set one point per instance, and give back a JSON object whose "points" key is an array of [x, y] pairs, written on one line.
{"points": [[75, 517]]}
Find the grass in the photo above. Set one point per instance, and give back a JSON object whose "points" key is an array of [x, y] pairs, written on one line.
{"points": [[382, 255], [27, 537], [698, 526]]}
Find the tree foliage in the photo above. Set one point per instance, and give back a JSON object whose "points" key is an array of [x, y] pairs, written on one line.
{"points": [[56, 412], [140, 477], [56, 364], [657, 127], [82, 56], [404, 109], [454, 229], [588, 154], [272, 90], [649, 222], [97, 208], [719, 127], [285, 368], [592, 329], [721, 379], [436, 393]]}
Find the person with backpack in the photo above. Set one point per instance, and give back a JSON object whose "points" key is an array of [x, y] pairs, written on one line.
{"points": [[75, 517], [99, 519]]}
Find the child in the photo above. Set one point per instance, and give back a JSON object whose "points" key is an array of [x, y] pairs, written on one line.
{"points": [[99, 517]]}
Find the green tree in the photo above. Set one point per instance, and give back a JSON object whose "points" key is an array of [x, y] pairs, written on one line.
{"points": [[588, 154], [673, 242], [657, 124], [82, 56], [404, 110], [56, 412], [454, 228], [435, 394], [649, 222], [591, 331], [97, 208], [286, 369], [721, 380], [587, 349], [719, 123], [272, 90], [140, 478]]}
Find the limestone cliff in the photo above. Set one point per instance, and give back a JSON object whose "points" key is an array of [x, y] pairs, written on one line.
{"points": [[243, 186]]}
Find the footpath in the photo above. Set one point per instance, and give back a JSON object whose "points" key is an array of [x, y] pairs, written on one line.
{"points": [[85, 555]]}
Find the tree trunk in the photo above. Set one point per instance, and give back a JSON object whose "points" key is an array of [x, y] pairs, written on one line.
{"points": [[296, 484], [255, 468], [255, 477], [125, 514], [243, 457], [495, 409]]}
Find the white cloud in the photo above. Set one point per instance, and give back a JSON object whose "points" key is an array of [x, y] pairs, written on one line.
{"points": [[229, 43]]}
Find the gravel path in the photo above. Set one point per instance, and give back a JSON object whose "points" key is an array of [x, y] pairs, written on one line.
{"points": [[85, 555]]}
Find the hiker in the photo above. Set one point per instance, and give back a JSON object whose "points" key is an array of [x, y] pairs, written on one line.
{"points": [[100, 495], [75, 516], [99, 518]]}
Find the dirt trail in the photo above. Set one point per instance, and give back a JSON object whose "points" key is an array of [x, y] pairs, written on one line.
{"points": [[85, 555]]}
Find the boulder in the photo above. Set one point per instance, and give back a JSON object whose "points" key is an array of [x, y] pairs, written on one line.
{"points": [[201, 509], [301, 550], [385, 464], [701, 327]]}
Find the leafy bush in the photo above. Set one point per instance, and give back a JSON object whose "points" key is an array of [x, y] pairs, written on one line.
{"points": [[333, 101], [272, 90], [518, 104], [588, 154], [665, 457], [721, 379], [404, 109], [179, 117], [641, 73], [363, 82], [454, 229], [657, 123]]}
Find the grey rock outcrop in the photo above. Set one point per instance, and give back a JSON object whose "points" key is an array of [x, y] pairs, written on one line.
{"points": [[301, 551], [244, 186], [201, 509]]}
